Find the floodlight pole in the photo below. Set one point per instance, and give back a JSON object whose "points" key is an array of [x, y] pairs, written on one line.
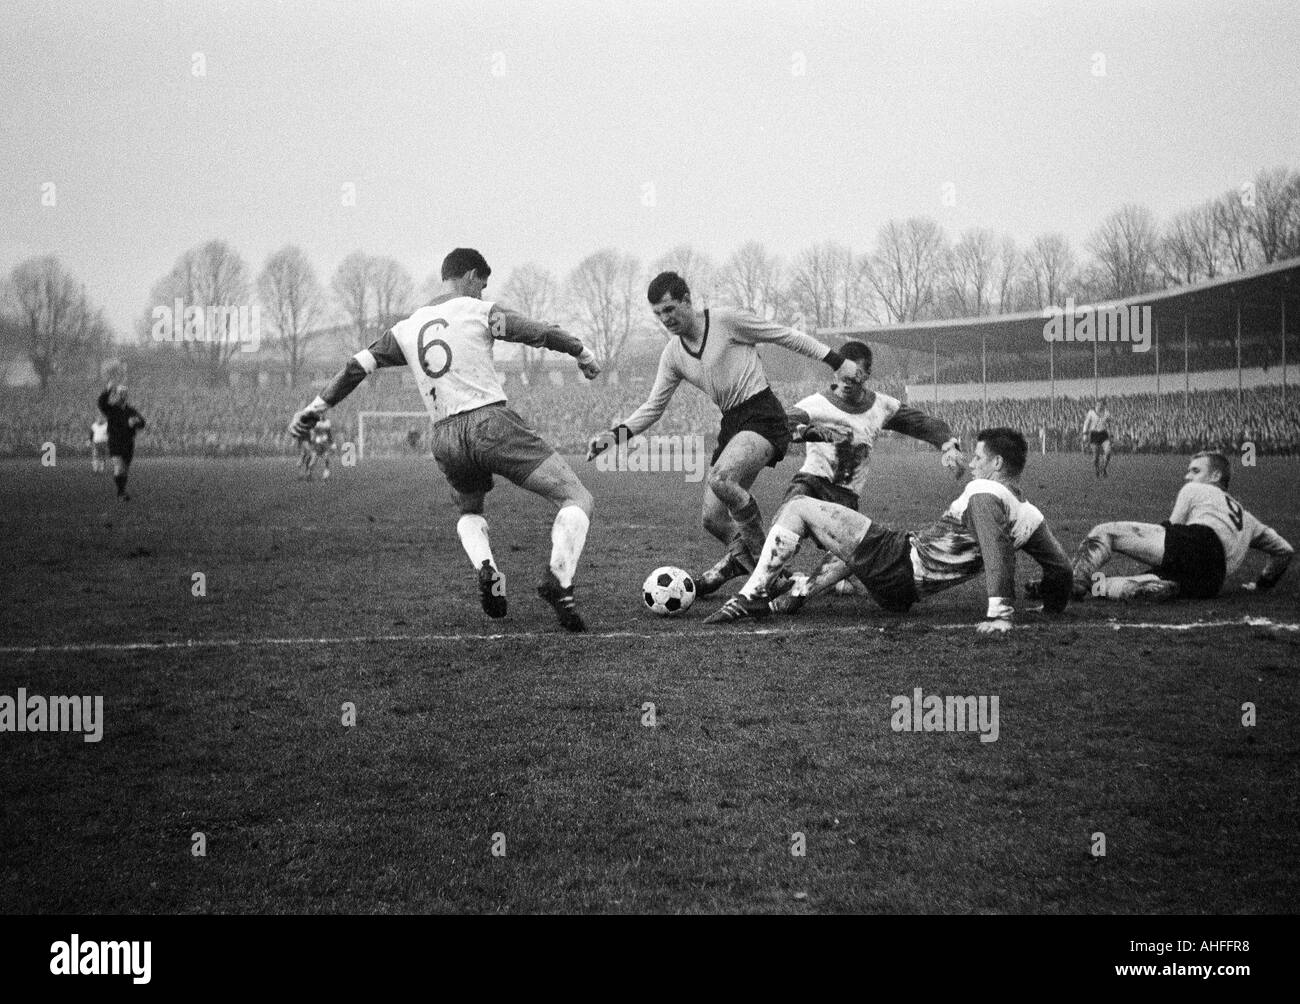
{"points": [[1187, 379], [1284, 348], [1239, 353], [984, 372]]}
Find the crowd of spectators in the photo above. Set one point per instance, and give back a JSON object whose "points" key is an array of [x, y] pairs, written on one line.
{"points": [[250, 421]]}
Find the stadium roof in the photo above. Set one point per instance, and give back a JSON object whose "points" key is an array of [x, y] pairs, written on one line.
{"points": [[1259, 292]]}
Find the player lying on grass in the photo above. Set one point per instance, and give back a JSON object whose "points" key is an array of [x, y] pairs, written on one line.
{"points": [[980, 531], [841, 426], [318, 444], [1204, 540], [716, 351], [448, 347]]}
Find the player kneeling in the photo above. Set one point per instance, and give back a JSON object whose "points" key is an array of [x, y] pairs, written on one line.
{"points": [[981, 530]]}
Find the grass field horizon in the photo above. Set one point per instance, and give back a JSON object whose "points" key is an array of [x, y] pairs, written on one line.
{"points": [[356, 590]]}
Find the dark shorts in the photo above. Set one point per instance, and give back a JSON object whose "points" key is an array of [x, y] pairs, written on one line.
{"points": [[813, 487], [474, 445], [124, 450], [1194, 559], [1097, 438], [882, 561], [761, 413]]}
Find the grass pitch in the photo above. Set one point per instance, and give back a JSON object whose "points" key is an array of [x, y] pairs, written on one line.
{"points": [[223, 712]]}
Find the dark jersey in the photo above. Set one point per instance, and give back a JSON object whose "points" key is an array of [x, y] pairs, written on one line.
{"points": [[123, 423]]}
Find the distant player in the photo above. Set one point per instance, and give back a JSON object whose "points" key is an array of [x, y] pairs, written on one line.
{"points": [[1096, 433], [317, 446], [980, 531], [123, 423], [98, 444], [840, 427], [715, 350], [448, 347], [1204, 541]]}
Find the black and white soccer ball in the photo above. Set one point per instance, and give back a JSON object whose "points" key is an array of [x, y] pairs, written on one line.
{"points": [[668, 591]]}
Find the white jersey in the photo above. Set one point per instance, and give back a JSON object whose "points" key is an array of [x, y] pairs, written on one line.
{"points": [[99, 431], [448, 347], [845, 464], [1238, 531]]}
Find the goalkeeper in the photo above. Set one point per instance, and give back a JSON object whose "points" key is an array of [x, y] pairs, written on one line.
{"points": [[448, 347]]}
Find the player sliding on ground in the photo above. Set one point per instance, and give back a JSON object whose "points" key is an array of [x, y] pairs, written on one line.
{"points": [[981, 530], [841, 426], [448, 347], [1204, 541], [715, 350]]}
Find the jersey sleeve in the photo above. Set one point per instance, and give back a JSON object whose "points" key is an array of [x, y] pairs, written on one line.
{"points": [[1045, 549], [508, 325], [1279, 553], [988, 518], [915, 423], [383, 352], [667, 378], [1183, 504], [752, 330]]}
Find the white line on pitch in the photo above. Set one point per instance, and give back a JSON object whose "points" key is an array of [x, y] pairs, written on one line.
{"points": [[384, 639]]}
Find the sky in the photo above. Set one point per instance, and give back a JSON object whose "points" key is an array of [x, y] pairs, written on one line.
{"points": [[541, 132]]}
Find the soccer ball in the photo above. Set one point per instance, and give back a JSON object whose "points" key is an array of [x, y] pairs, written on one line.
{"points": [[668, 591]]}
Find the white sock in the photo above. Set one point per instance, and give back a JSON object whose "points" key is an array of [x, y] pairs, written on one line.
{"points": [[474, 538], [567, 537], [780, 547]]}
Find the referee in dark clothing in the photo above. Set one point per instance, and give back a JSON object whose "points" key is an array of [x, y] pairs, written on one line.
{"points": [[123, 423]]}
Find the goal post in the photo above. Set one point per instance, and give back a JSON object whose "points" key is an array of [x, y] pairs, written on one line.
{"points": [[387, 433]]}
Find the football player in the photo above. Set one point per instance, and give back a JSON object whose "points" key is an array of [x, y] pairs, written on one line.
{"points": [[715, 350], [840, 427], [123, 423], [448, 347], [1096, 435], [318, 444], [98, 443], [1204, 540], [980, 531]]}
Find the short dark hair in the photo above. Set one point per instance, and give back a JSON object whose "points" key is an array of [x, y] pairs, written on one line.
{"points": [[462, 260], [860, 353], [668, 282], [1008, 444], [1219, 463]]}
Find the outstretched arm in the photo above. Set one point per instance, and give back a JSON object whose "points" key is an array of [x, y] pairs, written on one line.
{"points": [[383, 352], [935, 431], [754, 329], [510, 326], [666, 380]]}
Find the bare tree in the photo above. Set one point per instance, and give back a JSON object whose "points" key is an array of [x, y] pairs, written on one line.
{"points": [[826, 285], [211, 279], [532, 290], [393, 290], [604, 291], [52, 316], [1232, 231], [1009, 277], [1178, 253], [967, 273], [751, 280], [695, 267], [1051, 266], [294, 301], [905, 266], [354, 287], [1273, 222], [1124, 248]]}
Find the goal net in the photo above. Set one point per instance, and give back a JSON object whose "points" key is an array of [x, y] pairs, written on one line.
{"points": [[393, 434]]}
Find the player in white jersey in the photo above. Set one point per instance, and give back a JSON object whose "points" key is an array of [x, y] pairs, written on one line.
{"points": [[980, 531], [1096, 434], [318, 444], [840, 427], [1205, 540], [98, 444], [448, 347], [715, 350]]}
